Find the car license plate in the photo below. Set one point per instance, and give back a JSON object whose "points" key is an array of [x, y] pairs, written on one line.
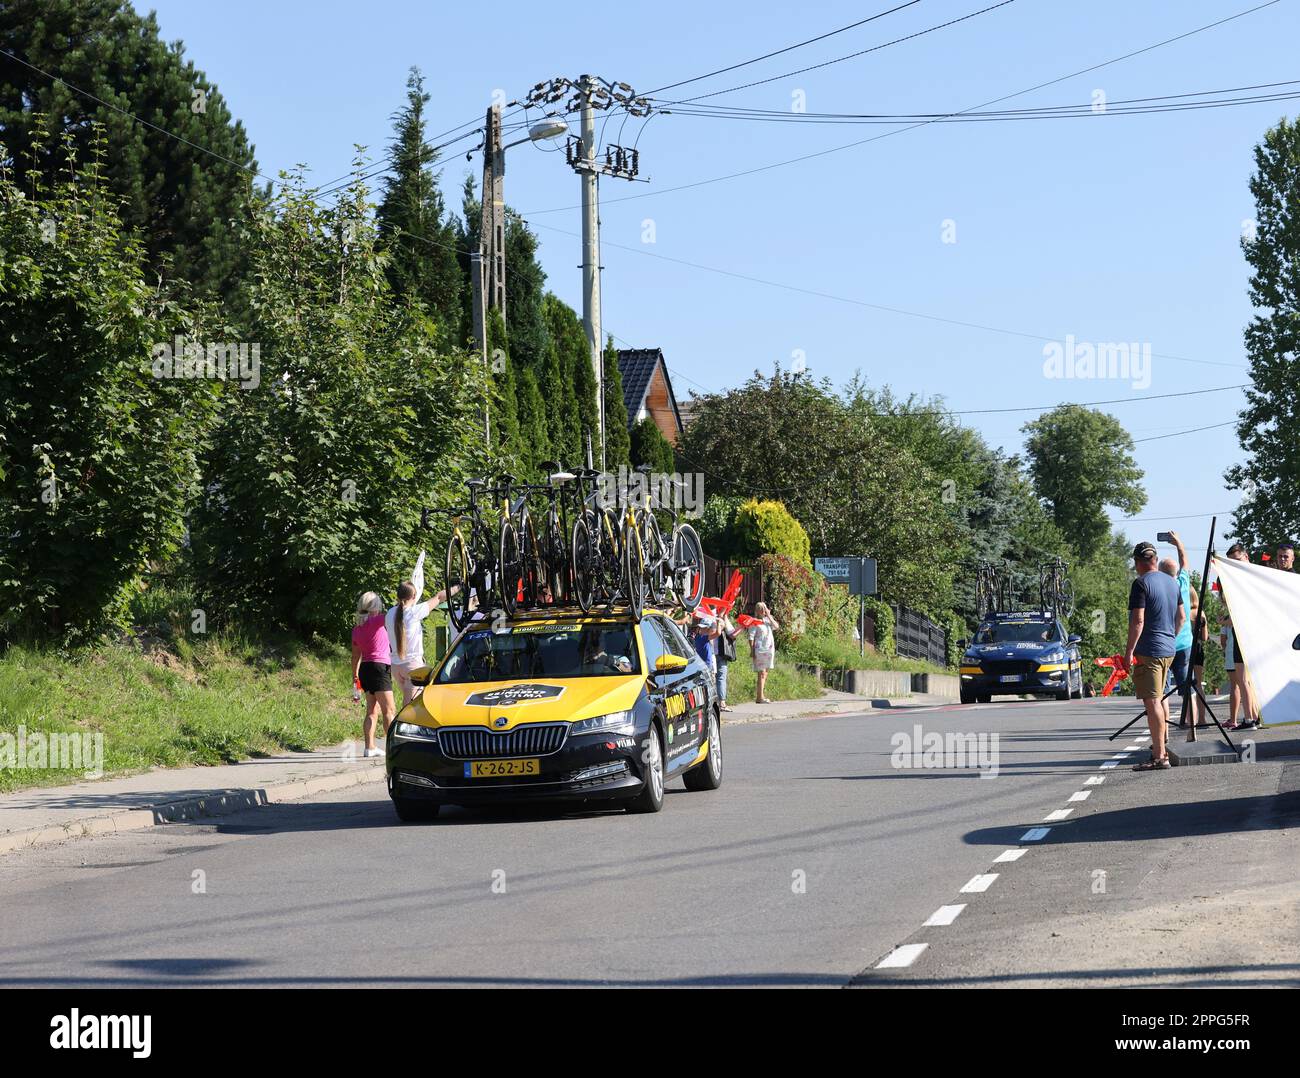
{"points": [[1010, 677], [500, 769]]}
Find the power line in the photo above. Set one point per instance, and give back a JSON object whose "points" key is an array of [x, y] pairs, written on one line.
{"points": [[787, 48], [847, 299], [1132, 107], [1193, 430], [912, 127], [850, 56]]}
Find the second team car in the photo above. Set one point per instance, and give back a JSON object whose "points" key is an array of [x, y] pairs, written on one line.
{"points": [[1025, 652], [566, 706]]}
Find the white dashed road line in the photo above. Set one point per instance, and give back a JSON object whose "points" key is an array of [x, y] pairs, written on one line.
{"points": [[944, 915], [1081, 795], [1059, 814], [1009, 855], [1035, 834], [902, 956], [1094, 780], [977, 884]]}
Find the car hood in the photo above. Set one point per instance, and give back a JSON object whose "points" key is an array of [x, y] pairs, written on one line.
{"points": [[1027, 649], [503, 705]]}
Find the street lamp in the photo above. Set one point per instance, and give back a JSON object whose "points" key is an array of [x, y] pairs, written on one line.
{"points": [[552, 127]]}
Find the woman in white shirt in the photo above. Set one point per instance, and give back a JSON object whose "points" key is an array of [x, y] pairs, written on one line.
{"points": [[406, 635], [762, 645]]}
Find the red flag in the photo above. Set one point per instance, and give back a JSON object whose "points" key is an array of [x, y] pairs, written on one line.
{"points": [[721, 607], [1118, 671]]}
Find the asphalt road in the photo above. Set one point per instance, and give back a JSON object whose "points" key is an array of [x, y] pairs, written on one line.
{"points": [[811, 863]]}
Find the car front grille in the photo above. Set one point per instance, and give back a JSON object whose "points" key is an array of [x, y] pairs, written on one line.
{"points": [[478, 744], [1009, 666]]}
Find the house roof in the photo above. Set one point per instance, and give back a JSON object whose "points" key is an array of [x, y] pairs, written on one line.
{"points": [[637, 368]]}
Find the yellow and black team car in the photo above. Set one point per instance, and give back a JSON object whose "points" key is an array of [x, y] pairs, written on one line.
{"points": [[566, 706]]}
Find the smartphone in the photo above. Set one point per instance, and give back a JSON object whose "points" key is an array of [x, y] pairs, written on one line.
{"points": [[1164, 537]]}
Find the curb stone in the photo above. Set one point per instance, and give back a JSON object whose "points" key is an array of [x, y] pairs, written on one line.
{"points": [[218, 803]]}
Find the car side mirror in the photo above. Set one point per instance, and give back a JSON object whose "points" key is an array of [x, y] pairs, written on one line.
{"points": [[422, 675], [963, 643], [1074, 639], [669, 664]]}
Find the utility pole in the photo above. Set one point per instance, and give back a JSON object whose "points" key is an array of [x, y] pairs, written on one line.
{"points": [[591, 252], [590, 94], [493, 226], [487, 265]]}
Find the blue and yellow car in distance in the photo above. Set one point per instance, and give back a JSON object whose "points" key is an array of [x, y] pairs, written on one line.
{"points": [[562, 707], [1018, 653]]}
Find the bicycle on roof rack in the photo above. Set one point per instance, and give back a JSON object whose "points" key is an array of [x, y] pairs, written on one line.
{"points": [[483, 571], [1055, 592], [672, 568], [595, 551]]}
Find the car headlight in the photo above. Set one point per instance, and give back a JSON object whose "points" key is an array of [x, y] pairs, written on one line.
{"points": [[414, 732], [1053, 657], [616, 722]]}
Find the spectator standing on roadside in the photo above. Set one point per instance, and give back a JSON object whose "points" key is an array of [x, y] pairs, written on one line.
{"points": [[1155, 616], [762, 646], [1201, 633], [406, 635], [727, 633], [704, 637], [1182, 664], [372, 666]]}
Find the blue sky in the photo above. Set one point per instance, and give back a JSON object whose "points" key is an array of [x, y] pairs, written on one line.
{"points": [[1107, 228]]}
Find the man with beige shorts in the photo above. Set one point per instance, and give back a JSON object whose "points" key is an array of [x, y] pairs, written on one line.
{"points": [[1155, 614]]}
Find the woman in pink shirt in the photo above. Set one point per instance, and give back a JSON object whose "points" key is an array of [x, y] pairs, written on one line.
{"points": [[372, 666]]}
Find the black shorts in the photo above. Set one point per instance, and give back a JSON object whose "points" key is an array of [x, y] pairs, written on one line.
{"points": [[1198, 654], [1237, 658], [376, 677]]}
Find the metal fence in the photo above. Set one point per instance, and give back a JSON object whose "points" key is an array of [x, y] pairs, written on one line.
{"points": [[716, 575], [917, 637]]}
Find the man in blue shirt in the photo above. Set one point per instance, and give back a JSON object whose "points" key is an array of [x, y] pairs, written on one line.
{"points": [[1155, 616]]}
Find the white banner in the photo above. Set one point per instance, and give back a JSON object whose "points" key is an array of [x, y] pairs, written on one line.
{"points": [[1265, 608], [417, 577]]}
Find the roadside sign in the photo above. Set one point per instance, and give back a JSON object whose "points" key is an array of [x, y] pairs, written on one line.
{"points": [[858, 573], [835, 570]]}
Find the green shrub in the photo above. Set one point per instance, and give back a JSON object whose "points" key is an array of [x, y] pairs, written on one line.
{"points": [[768, 527]]}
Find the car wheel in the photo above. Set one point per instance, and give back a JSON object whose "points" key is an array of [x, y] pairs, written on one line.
{"points": [[651, 797], [983, 697], [967, 695], [708, 775], [411, 810]]}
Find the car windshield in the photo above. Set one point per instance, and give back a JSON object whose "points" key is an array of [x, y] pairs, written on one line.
{"points": [[542, 651], [1016, 632]]}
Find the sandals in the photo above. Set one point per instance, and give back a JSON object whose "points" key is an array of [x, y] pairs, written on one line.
{"points": [[1153, 764]]}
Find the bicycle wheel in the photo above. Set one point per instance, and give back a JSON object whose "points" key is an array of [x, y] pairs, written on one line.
{"points": [[655, 560], [633, 571], [610, 574], [687, 567], [457, 582], [556, 561], [585, 565], [532, 568], [509, 569]]}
